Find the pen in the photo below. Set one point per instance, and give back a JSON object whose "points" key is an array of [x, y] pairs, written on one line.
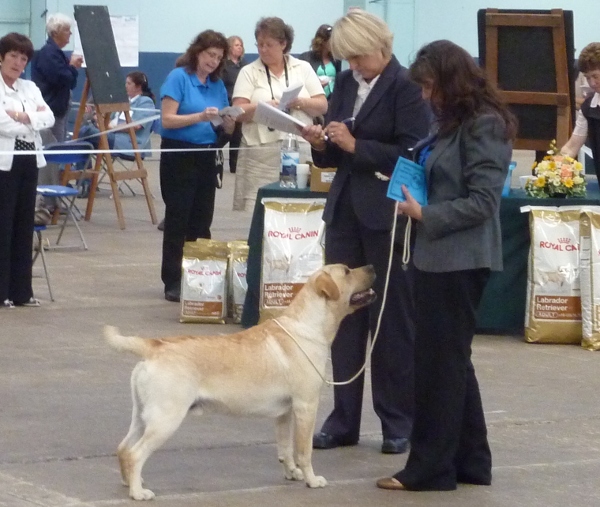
{"points": [[348, 122]]}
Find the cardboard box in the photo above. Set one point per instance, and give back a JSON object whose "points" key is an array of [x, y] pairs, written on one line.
{"points": [[321, 178]]}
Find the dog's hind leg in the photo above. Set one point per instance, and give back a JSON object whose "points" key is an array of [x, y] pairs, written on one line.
{"points": [[305, 414], [285, 446], [157, 430], [136, 429]]}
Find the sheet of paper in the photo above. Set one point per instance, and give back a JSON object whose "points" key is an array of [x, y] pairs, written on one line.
{"points": [[288, 95], [126, 32], [272, 117], [233, 111]]}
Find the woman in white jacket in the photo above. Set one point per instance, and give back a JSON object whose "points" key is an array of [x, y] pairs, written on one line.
{"points": [[23, 113]]}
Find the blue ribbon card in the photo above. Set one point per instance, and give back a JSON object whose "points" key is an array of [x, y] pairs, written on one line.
{"points": [[412, 175]]}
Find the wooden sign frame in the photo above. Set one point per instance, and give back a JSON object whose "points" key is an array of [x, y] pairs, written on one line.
{"points": [[562, 98]]}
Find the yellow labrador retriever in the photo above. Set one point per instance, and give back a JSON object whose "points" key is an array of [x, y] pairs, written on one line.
{"points": [[274, 369]]}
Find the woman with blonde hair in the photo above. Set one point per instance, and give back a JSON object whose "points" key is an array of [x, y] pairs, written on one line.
{"points": [[376, 114], [264, 81]]}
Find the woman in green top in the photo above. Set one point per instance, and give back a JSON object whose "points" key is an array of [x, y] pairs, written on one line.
{"points": [[321, 59]]}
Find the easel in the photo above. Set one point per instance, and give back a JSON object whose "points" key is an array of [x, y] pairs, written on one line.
{"points": [[560, 98], [103, 113], [104, 77]]}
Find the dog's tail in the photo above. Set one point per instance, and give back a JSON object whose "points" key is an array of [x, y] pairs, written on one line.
{"points": [[140, 346]]}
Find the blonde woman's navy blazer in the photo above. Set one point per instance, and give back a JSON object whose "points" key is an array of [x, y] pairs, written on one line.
{"points": [[393, 118]]}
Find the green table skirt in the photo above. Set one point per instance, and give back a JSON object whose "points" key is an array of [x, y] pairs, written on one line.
{"points": [[502, 308]]}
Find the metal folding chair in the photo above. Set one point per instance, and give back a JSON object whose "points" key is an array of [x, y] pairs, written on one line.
{"points": [[38, 248], [77, 154]]}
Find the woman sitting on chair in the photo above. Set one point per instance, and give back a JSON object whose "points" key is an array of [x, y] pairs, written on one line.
{"points": [[23, 113], [141, 101]]}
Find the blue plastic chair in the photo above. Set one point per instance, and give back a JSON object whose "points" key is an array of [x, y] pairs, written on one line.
{"points": [[67, 195], [38, 247], [76, 160]]}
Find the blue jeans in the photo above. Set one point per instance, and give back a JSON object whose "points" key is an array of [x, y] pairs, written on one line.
{"points": [[90, 129]]}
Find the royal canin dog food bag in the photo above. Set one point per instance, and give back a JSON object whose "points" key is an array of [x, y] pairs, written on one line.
{"points": [[292, 250], [589, 230], [553, 311], [204, 281], [238, 285]]}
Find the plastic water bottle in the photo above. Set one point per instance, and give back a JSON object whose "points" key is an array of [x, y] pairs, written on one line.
{"points": [[290, 158]]}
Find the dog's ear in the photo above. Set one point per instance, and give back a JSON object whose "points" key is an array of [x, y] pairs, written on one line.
{"points": [[326, 287]]}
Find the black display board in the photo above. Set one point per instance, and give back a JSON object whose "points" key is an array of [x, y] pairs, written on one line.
{"points": [[100, 51], [526, 63]]}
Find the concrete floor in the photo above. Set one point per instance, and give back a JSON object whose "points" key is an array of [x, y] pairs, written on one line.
{"points": [[64, 399]]}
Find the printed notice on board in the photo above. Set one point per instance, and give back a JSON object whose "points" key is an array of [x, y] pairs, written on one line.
{"points": [[126, 30]]}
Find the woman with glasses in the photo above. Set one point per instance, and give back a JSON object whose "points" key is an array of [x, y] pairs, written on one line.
{"points": [[389, 117], [321, 59], [191, 97], [264, 81]]}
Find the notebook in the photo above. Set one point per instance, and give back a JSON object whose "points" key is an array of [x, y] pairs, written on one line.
{"points": [[412, 175]]}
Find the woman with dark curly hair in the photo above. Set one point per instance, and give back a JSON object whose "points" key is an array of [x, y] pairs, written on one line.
{"points": [[321, 59], [191, 97], [458, 243], [23, 113]]}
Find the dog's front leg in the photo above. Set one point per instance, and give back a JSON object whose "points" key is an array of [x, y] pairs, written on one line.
{"points": [[305, 415], [285, 448]]}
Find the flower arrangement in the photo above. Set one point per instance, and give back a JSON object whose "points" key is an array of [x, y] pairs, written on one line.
{"points": [[556, 176]]}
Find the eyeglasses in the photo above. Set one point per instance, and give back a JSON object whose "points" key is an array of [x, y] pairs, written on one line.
{"points": [[267, 45], [215, 56]]}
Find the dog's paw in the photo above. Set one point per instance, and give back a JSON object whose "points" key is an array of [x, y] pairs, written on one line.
{"points": [[295, 474], [142, 494], [318, 481]]}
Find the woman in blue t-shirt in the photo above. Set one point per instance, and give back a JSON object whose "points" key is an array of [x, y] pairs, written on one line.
{"points": [[191, 97]]}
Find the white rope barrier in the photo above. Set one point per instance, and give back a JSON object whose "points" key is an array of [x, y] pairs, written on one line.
{"points": [[139, 150]]}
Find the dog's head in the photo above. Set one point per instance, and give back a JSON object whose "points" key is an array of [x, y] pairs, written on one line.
{"points": [[350, 287]]}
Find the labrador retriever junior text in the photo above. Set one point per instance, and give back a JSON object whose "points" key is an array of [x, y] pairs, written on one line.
{"points": [[265, 370]]}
